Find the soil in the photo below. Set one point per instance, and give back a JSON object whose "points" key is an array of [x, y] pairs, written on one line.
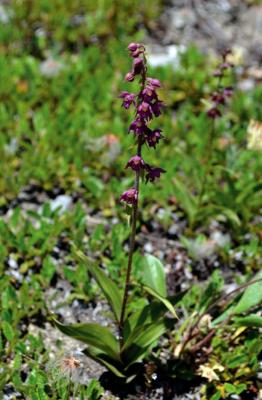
{"points": [[212, 25]]}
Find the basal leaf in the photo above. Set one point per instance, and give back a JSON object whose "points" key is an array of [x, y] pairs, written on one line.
{"points": [[105, 360], [94, 335], [147, 314], [154, 274], [141, 339], [109, 288], [164, 300]]}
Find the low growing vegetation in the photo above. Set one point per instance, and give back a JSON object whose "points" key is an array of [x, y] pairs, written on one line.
{"points": [[115, 283]]}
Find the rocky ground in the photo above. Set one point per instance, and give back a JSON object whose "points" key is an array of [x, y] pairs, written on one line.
{"points": [[211, 25]]}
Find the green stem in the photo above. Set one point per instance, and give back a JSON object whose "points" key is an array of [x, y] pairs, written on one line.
{"points": [[134, 215], [131, 248]]}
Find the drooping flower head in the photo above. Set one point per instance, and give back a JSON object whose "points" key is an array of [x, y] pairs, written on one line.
{"points": [[153, 173], [136, 163], [130, 196], [128, 99], [153, 137]]}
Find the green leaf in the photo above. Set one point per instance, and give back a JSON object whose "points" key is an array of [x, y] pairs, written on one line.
{"points": [[229, 387], [154, 275], [105, 360], [250, 320], [8, 331], [93, 334], [164, 300], [231, 216], [141, 339], [240, 388], [147, 314], [251, 297], [216, 396], [223, 316], [109, 288]]}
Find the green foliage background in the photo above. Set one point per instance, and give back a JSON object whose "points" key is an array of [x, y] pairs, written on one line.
{"points": [[50, 137]]}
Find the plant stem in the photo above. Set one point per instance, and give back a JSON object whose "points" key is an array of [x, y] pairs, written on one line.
{"points": [[133, 223], [131, 247]]}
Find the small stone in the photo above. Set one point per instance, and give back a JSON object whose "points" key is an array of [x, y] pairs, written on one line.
{"points": [[148, 247], [62, 202]]}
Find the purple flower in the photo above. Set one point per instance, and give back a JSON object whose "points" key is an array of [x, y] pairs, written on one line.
{"points": [[153, 173], [153, 137], [218, 73], [130, 196], [148, 94], [138, 126], [218, 98], [213, 113], [133, 46], [129, 77], [136, 53], [154, 83], [136, 49], [225, 53], [136, 163], [226, 65], [138, 66], [156, 107], [228, 91], [145, 110], [128, 99]]}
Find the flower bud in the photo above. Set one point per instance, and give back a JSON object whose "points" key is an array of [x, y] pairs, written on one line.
{"points": [[138, 66], [129, 77], [133, 46]]}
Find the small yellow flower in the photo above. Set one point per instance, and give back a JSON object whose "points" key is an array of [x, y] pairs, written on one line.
{"points": [[254, 135], [208, 371]]}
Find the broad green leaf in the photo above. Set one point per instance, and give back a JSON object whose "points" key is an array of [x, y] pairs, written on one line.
{"points": [[105, 360], [147, 314], [229, 387], [216, 396], [154, 274], [251, 297], [139, 342], [109, 288], [223, 316], [8, 331], [93, 334], [240, 388], [249, 320], [164, 300]]}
